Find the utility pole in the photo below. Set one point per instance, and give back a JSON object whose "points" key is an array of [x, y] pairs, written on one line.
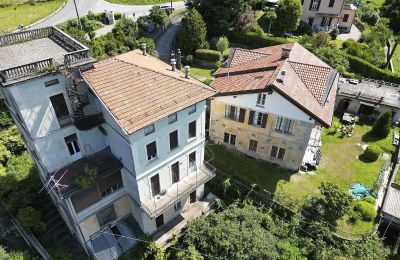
{"points": [[171, 6], [77, 15]]}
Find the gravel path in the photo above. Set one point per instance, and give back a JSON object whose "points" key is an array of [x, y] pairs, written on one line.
{"points": [[164, 44]]}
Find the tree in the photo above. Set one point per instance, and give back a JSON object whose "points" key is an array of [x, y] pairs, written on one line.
{"points": [[334, 57], [288, 14], [158, 16], [219, 15], [336, 202], [246, 22], [125, 31], [31, 219], [10, 255], [193, 35], [382, 125], [222, 44], [390, 9], [371, 17], [396, 44], [317, 40]]}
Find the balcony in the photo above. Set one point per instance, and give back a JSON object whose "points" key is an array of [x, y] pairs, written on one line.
{"points": [[64, 179], [88, 122], [179, 190]]}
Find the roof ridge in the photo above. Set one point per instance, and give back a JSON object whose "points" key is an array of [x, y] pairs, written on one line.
{"points": [[199, 83], [264, 53], [291, 61]]}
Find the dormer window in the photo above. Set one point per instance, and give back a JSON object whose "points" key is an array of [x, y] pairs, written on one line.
{"points": [[149, 129], [261, 99], [192, 109]]}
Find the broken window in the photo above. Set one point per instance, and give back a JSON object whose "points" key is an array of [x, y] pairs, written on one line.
{"points": [[61, 109], [151, 151]]}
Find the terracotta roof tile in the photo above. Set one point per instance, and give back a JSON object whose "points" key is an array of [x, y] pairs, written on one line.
{"points": [[138, 95], [309, 82]]}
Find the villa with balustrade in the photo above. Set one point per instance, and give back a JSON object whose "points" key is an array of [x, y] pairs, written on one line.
{"points": [[118, 144]]}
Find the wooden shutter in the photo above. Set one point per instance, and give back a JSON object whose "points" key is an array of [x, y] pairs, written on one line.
{"points": [[242, 113], [251, 116], [264, 120]]}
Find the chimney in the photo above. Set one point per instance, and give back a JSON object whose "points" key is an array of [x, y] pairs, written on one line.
{"points": [[179, 59], [187, 71], [281, 77], [173, 64], [285, 53], [143, 47]]}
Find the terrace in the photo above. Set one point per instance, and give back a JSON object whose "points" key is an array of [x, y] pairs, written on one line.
{"points": [[31, 53]]}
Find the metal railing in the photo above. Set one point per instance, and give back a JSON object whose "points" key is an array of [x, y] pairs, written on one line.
{"points": [[207, 172]]}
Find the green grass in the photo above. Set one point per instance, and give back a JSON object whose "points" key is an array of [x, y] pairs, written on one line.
{"points": [[201, 73], [373, 3], [338, 43], [141, 2], [12, 16], [396, 60]]}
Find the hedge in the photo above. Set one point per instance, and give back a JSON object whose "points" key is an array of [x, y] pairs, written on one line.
{"points": [[253, 39], [372, 153], [366, 69], [208, 55], [366, 210]]}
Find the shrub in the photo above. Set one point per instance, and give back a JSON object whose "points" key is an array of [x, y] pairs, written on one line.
{"points": [[225, 54], [366, 69], [382, 125], [208, 55], [12, 140], [4, 154], [333, 57], [218, 64], [334, 33], [246, 22], [370, 17], [254, 40], [158, 16], [208, 81], [88, 179], [189, 60], [31, 219], [117, 16], [317, 40], [335, 201], [366, 210], [304, 28], [372, 153], [222, 44], [370, 200]]}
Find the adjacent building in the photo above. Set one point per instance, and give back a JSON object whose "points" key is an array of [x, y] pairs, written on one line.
{"points": [[322, 14], [347, 17], [272, 103], [119, 143], [368, 96]]}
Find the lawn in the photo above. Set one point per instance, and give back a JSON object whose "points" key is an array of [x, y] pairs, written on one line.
{"points": [[373, 3], [339, 165], [12, 16], [141, 2], [201, 73], [396, 60]]}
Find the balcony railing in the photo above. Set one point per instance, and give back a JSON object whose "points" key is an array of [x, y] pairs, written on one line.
{"points": [[23, 36], [88, 122], [179, 190], [26, 70]]}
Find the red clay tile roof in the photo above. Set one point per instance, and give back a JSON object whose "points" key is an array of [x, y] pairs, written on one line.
{"points": [[140, 90], [309, 82]]}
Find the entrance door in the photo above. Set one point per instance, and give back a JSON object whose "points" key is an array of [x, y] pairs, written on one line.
{"points": [[155, 185], [343, 105], [193, 198]]}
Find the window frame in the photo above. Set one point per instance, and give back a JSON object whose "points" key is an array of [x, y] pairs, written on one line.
{"points": [[253, 145], [148, 130], [331, 3], [261, 99], [177, 173], [159, 221], [192, 109], [63, 120], [284, 125], [174, 117], [147, 151], [190, 137], [231, 139], [346, 18], [231, 112], [314, 5], [177, 140], [274, 151], [192, 167]]}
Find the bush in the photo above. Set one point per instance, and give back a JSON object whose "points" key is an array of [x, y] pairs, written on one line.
{"points": [[334, 33], [366, 69], [370, 200], [158, 16], [189, 60], [370, 17], [31, 219], [254, 40], [226, 54], [208, 81], [333, 57], [382, 125], [193, 34], [304, 28], [117, 16], [246, 22], [222, 44], [372, 153], [366, 210], [218, 64], [208, 55]]}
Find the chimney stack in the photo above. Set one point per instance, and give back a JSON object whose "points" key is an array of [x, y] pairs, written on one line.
{"points": [[143, 47], [187, 71], [285, 53], [282, 76], [173, 64], [179, 59]]}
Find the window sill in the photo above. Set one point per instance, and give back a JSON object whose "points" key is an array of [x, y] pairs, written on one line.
{"points": [[173, 149], [152, 160], [191, 139], [259, 105], [283, 133]]}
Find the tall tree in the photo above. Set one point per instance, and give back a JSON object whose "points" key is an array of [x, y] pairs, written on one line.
{"points": [[382, 125], [391, 10], [193, 35], [288, 14], [219, 15]]}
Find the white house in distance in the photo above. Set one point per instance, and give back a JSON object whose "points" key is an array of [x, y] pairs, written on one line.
{"points": [[272, 103], [130, 120]]}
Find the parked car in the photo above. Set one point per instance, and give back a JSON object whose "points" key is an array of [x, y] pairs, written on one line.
{"points": [[168, 9]]}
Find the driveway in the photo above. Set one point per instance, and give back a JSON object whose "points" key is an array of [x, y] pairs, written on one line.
{"points": [[96, 6], [354, 34], [164, 44]]}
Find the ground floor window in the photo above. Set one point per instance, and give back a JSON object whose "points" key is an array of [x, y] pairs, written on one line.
{"points": [[106, 216], [229, 138], [277, 152], [253, 145], [193, 197], [159, 221], [177, 206]]}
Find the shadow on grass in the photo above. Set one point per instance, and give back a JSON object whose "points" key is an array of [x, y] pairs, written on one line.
{"points": [[369, 137], [364, 159]]}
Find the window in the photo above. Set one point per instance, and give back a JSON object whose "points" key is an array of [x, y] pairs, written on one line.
{"points": [[149, 129], [106, 216], [51, 82], [193, 197], [261, 99], [155, 185], [278, 153], [61, 110], [192, 109], [177, 206], [253, 145], [310, 21], [258, 119], [284, 125], [175, 172], [192, 129], [151, 151], [172, 118], [314, 5], [302, 2], [229, 138], [160, 221], [73, 147], [192, 162], [173, 140], [326, 21], [234, 113], [345, 18], [331, 3]]}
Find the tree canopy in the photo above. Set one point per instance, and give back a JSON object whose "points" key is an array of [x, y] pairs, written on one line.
{"points": [[288, 14], [193, 34], [391, 9]]}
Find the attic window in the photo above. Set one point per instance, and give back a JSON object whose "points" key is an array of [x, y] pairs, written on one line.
{"points": [[258, 77]]}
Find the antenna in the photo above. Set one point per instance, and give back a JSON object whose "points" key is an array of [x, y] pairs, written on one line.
{"points": [[53, 183]]}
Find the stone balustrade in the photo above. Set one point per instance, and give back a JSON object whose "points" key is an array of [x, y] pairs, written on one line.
{"points": [[23, 36], [28, 70]]}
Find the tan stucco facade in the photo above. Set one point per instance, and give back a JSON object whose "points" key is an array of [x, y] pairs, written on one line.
{"points": [[295, 143], [347, 17], [322, 17]]}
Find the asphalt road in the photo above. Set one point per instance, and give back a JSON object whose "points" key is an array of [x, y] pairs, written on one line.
{"points": [[96, 6]]}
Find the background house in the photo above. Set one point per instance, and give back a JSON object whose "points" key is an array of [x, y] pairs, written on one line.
{"points": [[272, 104], [322, 14], [347, 17]]}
